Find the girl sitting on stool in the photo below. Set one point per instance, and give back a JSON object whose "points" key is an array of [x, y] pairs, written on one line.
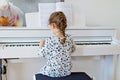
{"points": [[57, 49]]}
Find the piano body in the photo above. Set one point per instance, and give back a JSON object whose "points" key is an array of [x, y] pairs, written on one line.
{"points": [[22, 43]]}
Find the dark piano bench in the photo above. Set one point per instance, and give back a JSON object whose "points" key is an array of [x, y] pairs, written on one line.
{"points": [[73, 76]]}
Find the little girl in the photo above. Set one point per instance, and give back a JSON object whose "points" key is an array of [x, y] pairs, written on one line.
{"points": [[57, 49]]}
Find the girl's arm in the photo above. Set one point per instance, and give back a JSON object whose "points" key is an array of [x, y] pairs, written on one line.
{"points": [[42, 43], [42, 52]]}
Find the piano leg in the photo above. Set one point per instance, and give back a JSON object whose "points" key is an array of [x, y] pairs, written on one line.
{"points": [[118, 68], [108, 67], [115, 57]]}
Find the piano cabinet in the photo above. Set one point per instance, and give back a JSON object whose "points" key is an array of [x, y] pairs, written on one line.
{"points": [[101, 67], [81, 50], [99, 61]]}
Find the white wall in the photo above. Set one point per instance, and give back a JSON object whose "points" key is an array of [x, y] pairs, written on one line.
{"points": [[98, 12], [30, 5]]}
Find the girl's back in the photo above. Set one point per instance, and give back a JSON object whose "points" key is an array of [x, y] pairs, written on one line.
{"points": [[58, 55]]}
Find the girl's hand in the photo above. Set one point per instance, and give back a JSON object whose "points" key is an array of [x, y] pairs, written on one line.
{"points": [[42, 43]]}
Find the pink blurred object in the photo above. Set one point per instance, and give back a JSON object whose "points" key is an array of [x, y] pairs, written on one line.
{"points": [[15, 14]]}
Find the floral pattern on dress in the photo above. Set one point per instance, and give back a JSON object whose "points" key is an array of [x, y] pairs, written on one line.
{"points": [[58, 56]]}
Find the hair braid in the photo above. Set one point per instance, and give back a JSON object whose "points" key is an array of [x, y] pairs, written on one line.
{"points": [[60, 20]]}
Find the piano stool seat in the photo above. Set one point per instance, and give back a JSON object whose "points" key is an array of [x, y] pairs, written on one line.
{"points": [[73, 76]]}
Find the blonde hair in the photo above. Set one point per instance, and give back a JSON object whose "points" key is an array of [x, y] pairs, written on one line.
{"points": [[60, 20]]}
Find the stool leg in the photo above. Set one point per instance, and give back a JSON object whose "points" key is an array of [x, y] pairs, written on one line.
{"points": [[34, 77]]}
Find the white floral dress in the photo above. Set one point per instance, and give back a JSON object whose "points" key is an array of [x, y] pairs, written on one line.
{"points": [[58, 56]]}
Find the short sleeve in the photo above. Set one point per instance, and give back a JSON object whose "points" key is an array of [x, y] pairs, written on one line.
{"points": [[42, 52]]}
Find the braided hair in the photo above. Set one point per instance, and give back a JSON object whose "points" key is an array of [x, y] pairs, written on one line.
{"points": [[60, 20]]}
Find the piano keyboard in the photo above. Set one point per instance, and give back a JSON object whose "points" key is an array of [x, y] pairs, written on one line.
{"points": [[92, 43], [28, 44], [21, 45]]}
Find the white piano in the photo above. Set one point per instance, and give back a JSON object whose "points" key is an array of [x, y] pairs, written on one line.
{"points": [[22, 43]]}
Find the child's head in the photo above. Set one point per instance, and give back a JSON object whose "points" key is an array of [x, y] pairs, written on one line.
{"points": [[58, 23], [59, 19]]}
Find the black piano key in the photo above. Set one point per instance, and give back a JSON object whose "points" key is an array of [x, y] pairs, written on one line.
{"points": [[92, 43]]}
